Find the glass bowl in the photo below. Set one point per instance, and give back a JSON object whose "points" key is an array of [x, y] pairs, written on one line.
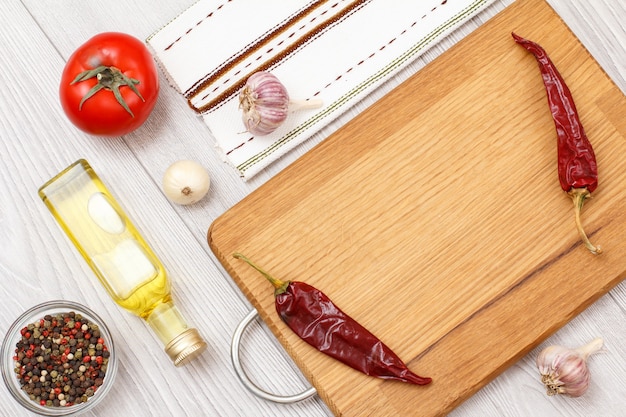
{"points": [[9, 363]]}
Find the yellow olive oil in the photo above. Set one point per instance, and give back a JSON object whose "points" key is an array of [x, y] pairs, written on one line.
{"points": [[118, 255]]}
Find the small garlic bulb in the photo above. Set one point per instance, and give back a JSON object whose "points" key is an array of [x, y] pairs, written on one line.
{"points": [[265, 103], [564, 370]]}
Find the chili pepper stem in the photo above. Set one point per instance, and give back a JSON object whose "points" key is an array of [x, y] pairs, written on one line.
{"points": [[280, 286], [579, 195]]}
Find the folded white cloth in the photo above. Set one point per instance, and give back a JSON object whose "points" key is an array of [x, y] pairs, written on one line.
{"points": [[337, 51]]}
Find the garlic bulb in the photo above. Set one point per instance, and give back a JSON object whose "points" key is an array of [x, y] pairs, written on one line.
{"points": [[265, 103], [186, 182], [564, 370]]}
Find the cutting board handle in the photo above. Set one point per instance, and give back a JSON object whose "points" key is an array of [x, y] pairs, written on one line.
{"points": [[243, 377]]}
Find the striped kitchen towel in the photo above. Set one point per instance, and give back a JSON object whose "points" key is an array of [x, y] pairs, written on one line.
{"points": [[334, 50]]}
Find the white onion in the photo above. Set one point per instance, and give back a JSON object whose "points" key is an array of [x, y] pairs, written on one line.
{"points": [[186, 182]]}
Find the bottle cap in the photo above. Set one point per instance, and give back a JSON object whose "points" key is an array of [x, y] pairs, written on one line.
{"points": [[185, 347], [182, 343]]}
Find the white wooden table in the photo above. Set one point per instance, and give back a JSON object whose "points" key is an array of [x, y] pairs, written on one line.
{"points": [[38, 263]]}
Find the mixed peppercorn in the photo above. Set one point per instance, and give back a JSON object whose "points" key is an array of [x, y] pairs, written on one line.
{"points": [[61, 360]]}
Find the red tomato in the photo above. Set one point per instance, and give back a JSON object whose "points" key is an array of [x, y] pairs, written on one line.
{"points": [[123, 63]]}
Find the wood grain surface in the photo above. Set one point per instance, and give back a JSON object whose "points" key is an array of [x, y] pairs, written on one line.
{"points": [[435, 218]]}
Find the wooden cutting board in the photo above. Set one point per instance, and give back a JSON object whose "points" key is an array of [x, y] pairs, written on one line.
{"points": [[435, 218]]}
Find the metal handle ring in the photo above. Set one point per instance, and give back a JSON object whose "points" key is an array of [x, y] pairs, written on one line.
{"points": [[243, 377]]}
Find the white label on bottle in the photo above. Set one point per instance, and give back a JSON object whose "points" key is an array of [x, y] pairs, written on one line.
{"points": [[104, 214], [125, 267]]}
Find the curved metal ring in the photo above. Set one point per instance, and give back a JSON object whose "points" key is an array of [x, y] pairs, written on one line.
{"points": [[234, 354]]}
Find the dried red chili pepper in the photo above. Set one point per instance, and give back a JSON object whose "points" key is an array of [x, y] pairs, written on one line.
{"points": [[319, 322], [577, 167]]}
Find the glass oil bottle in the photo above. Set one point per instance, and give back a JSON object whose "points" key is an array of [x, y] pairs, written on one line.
{"points": [[119, 256]]}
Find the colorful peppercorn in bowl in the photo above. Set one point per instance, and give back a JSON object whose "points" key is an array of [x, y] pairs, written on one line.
{"points": [[58, 359]]}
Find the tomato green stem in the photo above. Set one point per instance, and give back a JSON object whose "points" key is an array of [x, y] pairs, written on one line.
{"points": [[109, 78], [280, 286], [579, 195]]}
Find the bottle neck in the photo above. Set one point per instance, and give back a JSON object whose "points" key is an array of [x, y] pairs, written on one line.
{"points": [[181, 342], [167, 322]]}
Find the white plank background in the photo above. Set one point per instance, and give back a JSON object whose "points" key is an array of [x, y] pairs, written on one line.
{"points": [[37, 263]]}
